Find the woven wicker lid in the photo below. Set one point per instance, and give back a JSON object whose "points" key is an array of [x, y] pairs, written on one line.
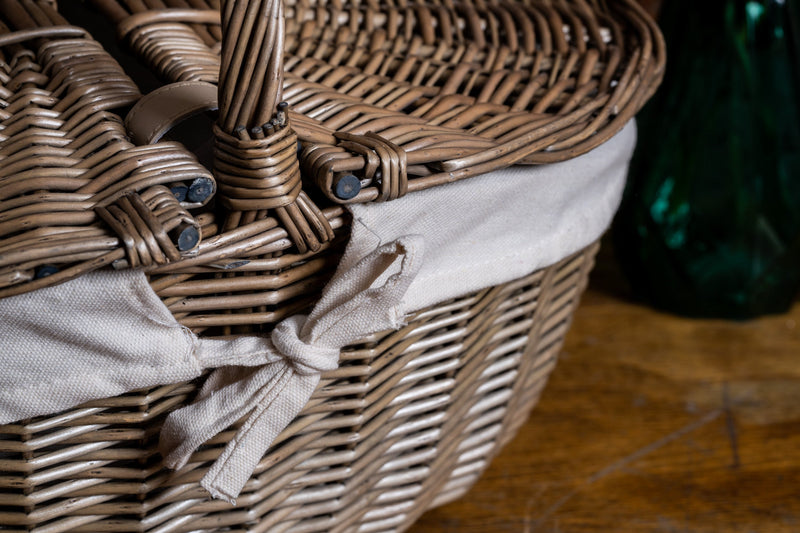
{"points": [[319, 104]]}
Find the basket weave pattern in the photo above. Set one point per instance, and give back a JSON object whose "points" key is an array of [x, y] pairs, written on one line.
{"points": [[66, 161], [409, 421]]}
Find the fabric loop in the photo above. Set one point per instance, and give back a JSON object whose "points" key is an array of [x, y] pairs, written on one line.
{"points": [[364, 299]]}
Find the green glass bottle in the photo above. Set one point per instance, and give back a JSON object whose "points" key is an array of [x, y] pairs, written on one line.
{"points": [[710, 222]]}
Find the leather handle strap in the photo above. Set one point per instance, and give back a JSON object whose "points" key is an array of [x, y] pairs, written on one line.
{"points": [[158, 112]]}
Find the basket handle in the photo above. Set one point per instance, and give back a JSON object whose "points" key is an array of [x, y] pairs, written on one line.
{"points": [[255, 148]]}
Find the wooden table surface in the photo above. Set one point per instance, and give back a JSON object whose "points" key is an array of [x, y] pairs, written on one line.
{"points": [[651, 423]]}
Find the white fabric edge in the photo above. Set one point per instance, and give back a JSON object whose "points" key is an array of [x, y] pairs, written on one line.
{"points": [[167, 362]]}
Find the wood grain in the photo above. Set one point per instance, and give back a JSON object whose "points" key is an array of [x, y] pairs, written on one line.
{"points": [[651, 423]]}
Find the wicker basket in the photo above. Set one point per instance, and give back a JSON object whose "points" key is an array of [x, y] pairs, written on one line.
{"points": [[408, 422], [425, 94]]}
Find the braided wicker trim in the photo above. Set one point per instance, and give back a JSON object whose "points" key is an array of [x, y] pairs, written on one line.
{"points": [[153, 227], [255, 174]]}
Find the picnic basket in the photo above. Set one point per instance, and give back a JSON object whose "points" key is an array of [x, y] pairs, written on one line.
{"points": [[384, 100]]}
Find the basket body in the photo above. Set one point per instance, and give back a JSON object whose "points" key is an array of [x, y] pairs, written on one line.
{"points": [[408, 422], [411, 417]]}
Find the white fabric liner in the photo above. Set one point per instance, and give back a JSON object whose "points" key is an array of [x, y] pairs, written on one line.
{"points": [[499, 227], [475, 233]]}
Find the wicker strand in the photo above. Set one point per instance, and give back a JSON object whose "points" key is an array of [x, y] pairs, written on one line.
{"points": [[65, 158], [153, 227], [255, 146]]}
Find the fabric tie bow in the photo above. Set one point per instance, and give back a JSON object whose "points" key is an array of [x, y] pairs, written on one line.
{"points": [[271, 380]]}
